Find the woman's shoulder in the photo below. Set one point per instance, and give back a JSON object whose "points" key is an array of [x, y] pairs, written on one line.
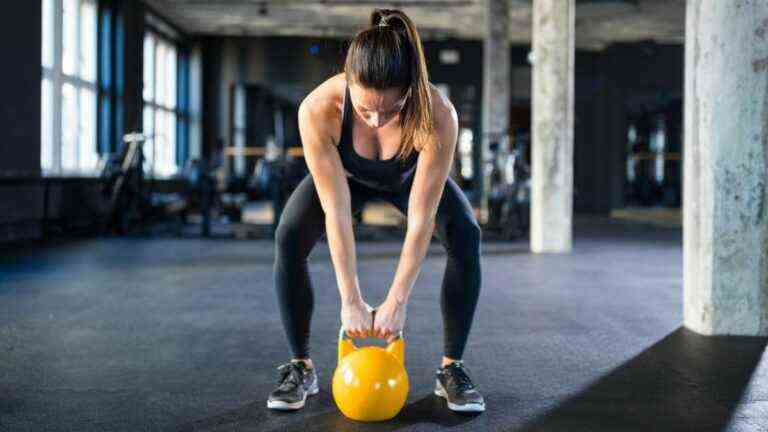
{"points": [[322, 107], [442, 107], [327, 96]]}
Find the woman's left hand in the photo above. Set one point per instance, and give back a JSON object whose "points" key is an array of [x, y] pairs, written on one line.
{"points": [[389, 319]]}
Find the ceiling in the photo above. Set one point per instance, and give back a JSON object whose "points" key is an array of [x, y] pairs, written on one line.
{"points": [[598, 22]]}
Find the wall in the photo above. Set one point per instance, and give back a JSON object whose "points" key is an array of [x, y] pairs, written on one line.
{"points": [[20, 85], [20, 116]]}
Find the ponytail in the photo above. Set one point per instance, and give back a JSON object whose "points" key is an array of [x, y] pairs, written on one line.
{"points": [[389, 54]]}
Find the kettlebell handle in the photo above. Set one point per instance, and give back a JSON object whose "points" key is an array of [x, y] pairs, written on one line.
{"points": [[372, 310], [396, 347], [343, 334]]}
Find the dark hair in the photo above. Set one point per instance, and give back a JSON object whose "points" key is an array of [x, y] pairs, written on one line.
{"points": [[389, 54]]}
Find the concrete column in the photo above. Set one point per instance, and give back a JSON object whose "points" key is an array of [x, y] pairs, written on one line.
{"points": [[496, 89], [552, 126], [725, 195]]}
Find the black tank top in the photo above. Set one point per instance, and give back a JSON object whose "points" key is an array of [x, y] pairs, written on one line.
{"points": [[386, 174]]}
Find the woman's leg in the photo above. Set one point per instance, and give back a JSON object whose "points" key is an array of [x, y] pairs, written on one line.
{"points": [[459, 232], [301, 225]]}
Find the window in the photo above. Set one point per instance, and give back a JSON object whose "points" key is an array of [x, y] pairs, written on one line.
{"points": [[110, 82], [194, 142], [160, 105], [68, 87], [239, 128]]}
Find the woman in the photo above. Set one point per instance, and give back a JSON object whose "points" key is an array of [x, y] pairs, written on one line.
{"points": [[380, 130]]}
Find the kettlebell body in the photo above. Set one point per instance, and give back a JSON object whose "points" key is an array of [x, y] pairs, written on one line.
{"points": [[370, 383]]}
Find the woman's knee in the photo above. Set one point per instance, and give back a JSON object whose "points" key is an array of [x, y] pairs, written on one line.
{"points": [[295, 237], [287, 237], [464, 241]]}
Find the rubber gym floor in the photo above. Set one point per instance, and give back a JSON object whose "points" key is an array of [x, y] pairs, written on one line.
{"points": [[168, 334]]}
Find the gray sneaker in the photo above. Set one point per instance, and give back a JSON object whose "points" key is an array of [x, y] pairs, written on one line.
{"points": [[453, 384], [296, 382]]}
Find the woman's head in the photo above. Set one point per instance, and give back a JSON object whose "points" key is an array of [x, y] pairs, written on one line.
{"points": [[378, 107], [387, 74]]}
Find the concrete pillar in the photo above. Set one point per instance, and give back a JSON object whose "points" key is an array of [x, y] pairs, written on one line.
{"points": [[496, 89], [725, 195], [552, 126]]}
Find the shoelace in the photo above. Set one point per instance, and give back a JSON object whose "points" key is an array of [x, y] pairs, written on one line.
{"points": [[459, 375], [290, 373]]}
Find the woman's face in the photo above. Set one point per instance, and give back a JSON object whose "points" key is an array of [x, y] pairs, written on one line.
{"points": [[377, 107]]}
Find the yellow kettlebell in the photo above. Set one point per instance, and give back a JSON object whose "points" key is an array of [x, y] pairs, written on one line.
{"points": [[370, 383]]}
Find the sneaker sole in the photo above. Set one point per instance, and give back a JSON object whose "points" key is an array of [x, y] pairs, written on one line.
{"points": [[287, 406], [472, 407]]}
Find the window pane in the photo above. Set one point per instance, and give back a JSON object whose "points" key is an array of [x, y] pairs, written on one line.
{"points": [[104, 36], [170, 146], [164, 152], [149, 129], [47, 59], [69, 127], [160, 73], [194, 87], [46, 126], [195, 140], [106, 129], [87, 142], [88, 41], [195, 80], [149, 67], [159, 141], [170, 77], [69, 54]]}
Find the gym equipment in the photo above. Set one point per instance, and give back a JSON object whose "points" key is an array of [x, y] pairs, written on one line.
{"points": [[201, 192], [370, 383], [133, 202], [510, 190], [122, 182]]}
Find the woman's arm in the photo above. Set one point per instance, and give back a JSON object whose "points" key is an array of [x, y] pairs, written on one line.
{"points": [[332, 188], [432, 170]]}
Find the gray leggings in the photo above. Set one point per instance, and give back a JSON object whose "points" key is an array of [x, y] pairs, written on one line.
{"points": [[302, 223]]}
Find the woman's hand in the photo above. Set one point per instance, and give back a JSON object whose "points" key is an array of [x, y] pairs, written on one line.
{"points": [[389, 319], [356, 317]]}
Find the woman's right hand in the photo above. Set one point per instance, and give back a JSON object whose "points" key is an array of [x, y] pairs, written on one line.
{"points": [[357, 319]]}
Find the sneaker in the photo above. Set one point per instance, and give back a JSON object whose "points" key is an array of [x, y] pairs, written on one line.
{"points": [[296, 382], [453, 384]]}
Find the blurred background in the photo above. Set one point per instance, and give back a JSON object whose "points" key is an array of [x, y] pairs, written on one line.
{"points": [[180, 116]]}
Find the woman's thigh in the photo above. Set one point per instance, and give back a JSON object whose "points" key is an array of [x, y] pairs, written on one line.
{"points": [[303, 214], [454, 210], [302, 209]]}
